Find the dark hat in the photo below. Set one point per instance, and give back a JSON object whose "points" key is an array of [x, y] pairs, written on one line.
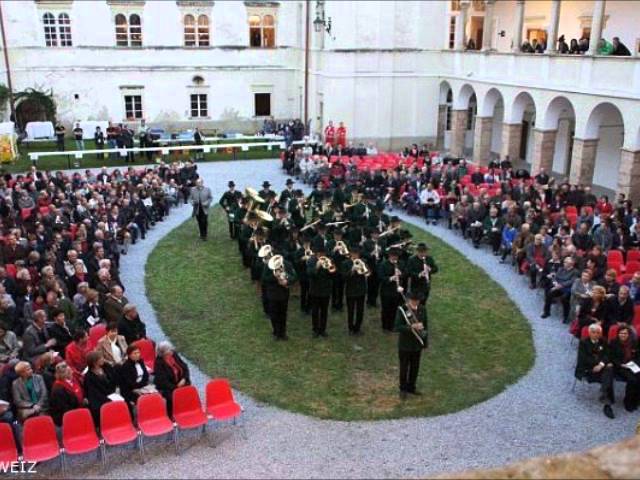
{"points": [[307, 235], [231, 184], [394, 251], [423, 247], [298, 193], [252, 216], [266, 184], [289, 182], [394, 219]]}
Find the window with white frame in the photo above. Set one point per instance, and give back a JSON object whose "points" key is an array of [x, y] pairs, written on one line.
{"points": [[196, 31], [262, 30], [133, 107], [57, 30], [199, 105], [128, 30]]}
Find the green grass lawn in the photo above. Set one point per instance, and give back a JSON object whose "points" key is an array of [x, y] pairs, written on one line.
{"points": [[91, 161], [479, 341]]}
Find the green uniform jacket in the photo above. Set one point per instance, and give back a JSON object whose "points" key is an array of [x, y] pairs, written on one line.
{"points": [[355, 285], [415, 266], [386, 270], [407, 342], [229, 201], [320, 280]]}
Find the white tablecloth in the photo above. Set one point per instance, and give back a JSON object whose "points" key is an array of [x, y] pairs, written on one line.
{"points": [[6, 128], [39, 130], [89, 128]]}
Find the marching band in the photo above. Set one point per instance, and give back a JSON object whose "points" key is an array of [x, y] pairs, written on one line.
{"points": [[336, 245]]}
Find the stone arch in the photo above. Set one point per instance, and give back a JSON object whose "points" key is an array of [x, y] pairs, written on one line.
{"points": [[553, 137], [487, 104], [445, 88], [522, 102], [488, 126], [463, 97], [517, 131], [596, 156], [445, 104]]}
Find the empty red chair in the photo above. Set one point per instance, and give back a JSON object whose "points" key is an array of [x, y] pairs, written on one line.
{"points": [[633, 256], [79, 433], [614, 256], [39, 440], [571, 209], [11, 270], [96, 333], [613, 333], [632, 267], [147, 352], [116, 426], [573, 219], [8, 449], [220, 402], [152, 417], [187, 408], [624, 278]]}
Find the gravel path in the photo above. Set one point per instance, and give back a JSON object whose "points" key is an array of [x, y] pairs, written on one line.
{"points": [[539, 415]]}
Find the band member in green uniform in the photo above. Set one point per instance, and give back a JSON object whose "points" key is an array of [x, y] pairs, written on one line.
{"points": [[355, 272], [229, 201], [390, 274], [321, 270], [420, 268], [277, 278], [411, 324]]}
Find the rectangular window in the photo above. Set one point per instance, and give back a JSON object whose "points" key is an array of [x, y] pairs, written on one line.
{"points": [[133, 106], [452, 32], [263, 104], [199, 105]]}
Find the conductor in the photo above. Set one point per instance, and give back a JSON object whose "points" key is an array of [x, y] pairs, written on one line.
{"points": [[201, 199]]}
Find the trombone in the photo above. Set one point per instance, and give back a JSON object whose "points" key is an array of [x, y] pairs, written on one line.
{"points": [[411, 320], [309, 225]]}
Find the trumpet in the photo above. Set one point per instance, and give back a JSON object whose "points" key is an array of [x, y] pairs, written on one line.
{"points": [[376, 251], [327, 264], [360, 267], [425, 270], [396, 278], [276, 265]]}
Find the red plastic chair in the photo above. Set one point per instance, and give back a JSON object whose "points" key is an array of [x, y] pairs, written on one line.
{"points": [[220, 402], [624, 278], [618, 267], [633, 256], [116, 426], [153, 420], [613, 333], [584, 333], [44, 210], [96, 333], [614, 256], [25, 213], [11, 270], [147, 353], [8, 449], [187, 409], [79, 434], [632, 267], [571, 209], [39, 440]]}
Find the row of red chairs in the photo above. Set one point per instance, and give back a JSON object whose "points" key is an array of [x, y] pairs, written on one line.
{"points": [[613, 330], [616, 261], [40, 442]]}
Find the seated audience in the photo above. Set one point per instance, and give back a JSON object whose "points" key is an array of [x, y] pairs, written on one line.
{"points": [[134, 376], [130, 326], [170, 371], [99, 382], [112, 346], [623, 350], [30, 396], [66, 393]]}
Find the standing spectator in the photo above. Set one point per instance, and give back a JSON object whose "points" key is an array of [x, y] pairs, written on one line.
{"points": [[60, 136], [112, 135], [342, 135], [583, 45], [562, 45], [619, 48], [526, 47], [77, 135], [574, 48], [98, 138], [330, 134], [198, 140]]}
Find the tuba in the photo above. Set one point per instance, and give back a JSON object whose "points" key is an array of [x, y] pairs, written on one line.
{"points": [[327, 264], [265, 252]]}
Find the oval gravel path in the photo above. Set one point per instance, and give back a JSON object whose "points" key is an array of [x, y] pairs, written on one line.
{"points": [[538, 415]]}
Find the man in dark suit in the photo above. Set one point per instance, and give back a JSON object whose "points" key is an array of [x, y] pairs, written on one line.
{"points": [[420, 267], [594, 366], [411, 324], [229, 201], [320, 286], [355, 288], [277, 281], [390, 274], [201, 201]]}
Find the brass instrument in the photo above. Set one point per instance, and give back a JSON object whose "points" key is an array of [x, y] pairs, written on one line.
{"points": [[388, 231], [335, 224], [360, 267], [265, 252], [309, 225], [308, 253], [341, 248], [254, 198], [425, 270], [400, 244], [376, 251], [411, 320], [396, 278], [276, 265], [264, 216], [327, 264]]}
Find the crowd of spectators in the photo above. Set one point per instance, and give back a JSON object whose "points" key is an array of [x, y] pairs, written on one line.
{"points": [[63, 235], [292, 130], [578, 47], [577, 249]]}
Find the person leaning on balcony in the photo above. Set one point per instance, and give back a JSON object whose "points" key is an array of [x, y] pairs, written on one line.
{"points": [[604, 47], [583, 45], [574, 48], [562, 45], [526, 47], [619, 48]]}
